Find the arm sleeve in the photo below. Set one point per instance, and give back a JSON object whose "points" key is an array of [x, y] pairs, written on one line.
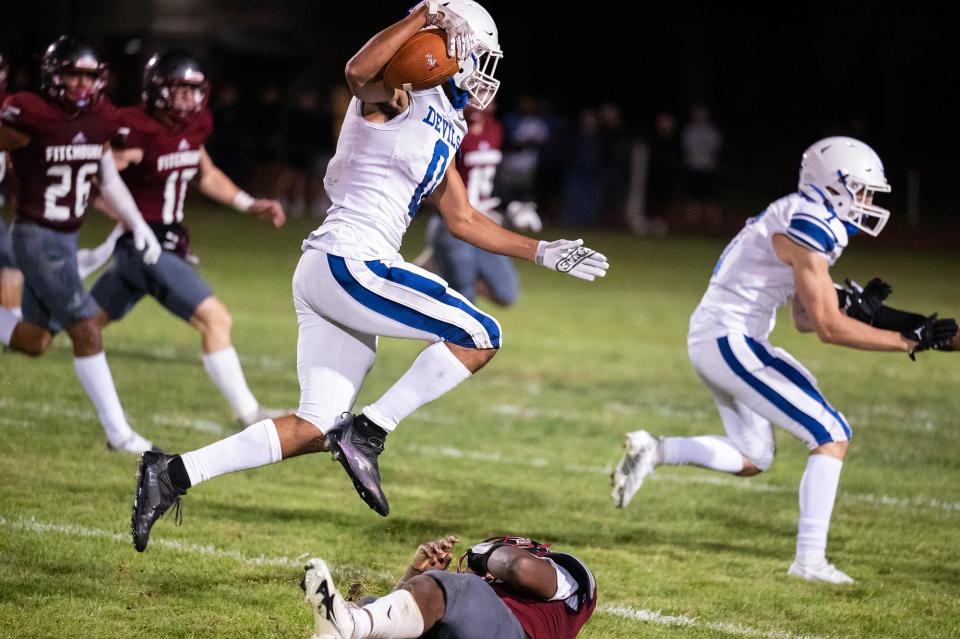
{"points": [[116, 194], [892, 319], [15, 114], [566, 585]]}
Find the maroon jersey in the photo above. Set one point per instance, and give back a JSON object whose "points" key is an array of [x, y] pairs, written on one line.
{"points": [[480, 156], [555, 619], [54, 172], [171, 158]]}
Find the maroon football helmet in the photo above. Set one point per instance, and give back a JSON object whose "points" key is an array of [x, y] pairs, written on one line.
{"points": [[69, 57]]}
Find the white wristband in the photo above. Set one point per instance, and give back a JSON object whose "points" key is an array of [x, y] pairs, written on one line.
{"points": [[541, 249], [243, 201]]}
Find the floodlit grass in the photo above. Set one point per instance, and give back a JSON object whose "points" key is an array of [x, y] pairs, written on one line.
{"points": [[525, 447]]}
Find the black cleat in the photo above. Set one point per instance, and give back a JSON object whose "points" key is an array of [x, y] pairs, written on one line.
{"points": [[356, 444], [156, 493]]}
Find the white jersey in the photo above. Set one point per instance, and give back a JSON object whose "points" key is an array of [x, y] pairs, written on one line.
{"points": [[749, 282], [381, 173]]}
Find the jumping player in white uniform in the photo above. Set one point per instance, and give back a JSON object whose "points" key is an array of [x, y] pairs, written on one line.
{"points": [[783, 254], [351, 286]]}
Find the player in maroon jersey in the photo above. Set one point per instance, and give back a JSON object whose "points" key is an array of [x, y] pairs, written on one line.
{"points": [[505, 587], [11, 280], [468, 269], [60, 145], [160, 152]]}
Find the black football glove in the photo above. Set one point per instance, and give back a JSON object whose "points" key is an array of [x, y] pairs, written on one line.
{"points": [[863, 303], [933, 333]]}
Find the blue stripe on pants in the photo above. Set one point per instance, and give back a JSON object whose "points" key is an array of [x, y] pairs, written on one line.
{"points": [[784, 368], [394, 310], [820, 434], [438, 292]]}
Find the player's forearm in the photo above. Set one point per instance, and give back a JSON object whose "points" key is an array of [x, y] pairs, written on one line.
{"points": [[218, 187], [845, 331], [523, 572], [478, 230], [11, 140], [367, 63]]}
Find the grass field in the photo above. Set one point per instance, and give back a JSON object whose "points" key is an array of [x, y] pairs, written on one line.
{"points": [[525, 446]]}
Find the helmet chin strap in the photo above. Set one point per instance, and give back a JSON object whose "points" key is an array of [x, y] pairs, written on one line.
{"points": [[458, 95]]}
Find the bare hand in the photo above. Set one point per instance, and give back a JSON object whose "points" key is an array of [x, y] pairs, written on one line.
{"points": [[269, 210], [434, 555]]}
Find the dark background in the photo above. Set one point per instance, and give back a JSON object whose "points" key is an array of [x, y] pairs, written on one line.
{"points": [[775, 80]]}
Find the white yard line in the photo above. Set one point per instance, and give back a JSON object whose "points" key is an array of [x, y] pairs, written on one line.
{"points": [[73, 530], [86, 414], [658, 617], [644, 616], [209, 426], [740, 484]]}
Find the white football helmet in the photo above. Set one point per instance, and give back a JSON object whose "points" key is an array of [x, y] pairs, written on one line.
{"points": [[477, 69], [845, 173]]}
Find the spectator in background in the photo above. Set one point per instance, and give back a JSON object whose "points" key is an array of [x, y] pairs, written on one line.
{"points": [[583, 180], [226, 145], [666, 160], [305, 131], [526, 131], [701, 141], [614, 160], [263, 131]]}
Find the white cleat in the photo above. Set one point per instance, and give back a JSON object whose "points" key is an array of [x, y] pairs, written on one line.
{"points": [[331, 614], [819, 572], [638, 461], [134, 444]]}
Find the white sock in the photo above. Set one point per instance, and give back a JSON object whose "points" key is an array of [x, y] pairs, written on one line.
{"points": [[710, 451], [395, 616], [223, 367], [818, 491], [94, 374], [256, 445], [435, 372], [8, 321]]}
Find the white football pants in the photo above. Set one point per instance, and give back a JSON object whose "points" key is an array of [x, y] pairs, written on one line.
{"points": [[755, 384], [343, 305]]}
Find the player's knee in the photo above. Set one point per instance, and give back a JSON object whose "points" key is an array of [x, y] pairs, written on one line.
{"points": [[428, 597], [749, 470], [86, 336], [836, 449], [757, 462], [223, 320], [11, 277], [505, 297], [214, 318], [35, 344]]}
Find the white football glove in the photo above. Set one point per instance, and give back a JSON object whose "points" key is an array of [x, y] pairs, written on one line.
{"points": [[523, 217], [573, 258], [460, 36], [144, 240]]}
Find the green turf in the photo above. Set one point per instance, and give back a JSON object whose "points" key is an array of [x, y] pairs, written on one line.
{"points": [[525, 446]]}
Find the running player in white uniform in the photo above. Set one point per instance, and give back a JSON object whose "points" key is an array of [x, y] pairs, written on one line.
{"points": [[783, 254], [351, 286]]}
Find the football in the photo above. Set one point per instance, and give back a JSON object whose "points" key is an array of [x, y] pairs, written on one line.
{"points": [[421, 62]]}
